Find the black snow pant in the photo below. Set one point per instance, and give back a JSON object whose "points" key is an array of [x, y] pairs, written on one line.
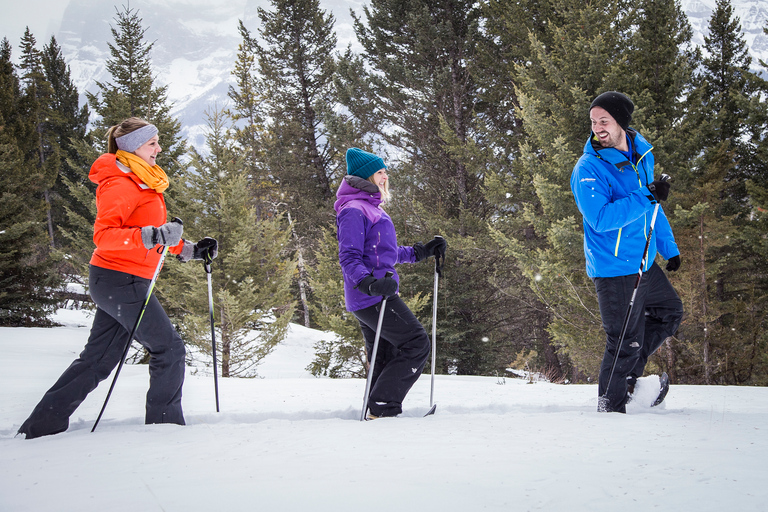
{"points": [[119, 297], [656, 315], [403, 350]]}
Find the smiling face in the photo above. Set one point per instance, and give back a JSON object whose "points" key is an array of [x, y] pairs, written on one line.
{"points": [[607, 130], [380, 178], [148, 152]]}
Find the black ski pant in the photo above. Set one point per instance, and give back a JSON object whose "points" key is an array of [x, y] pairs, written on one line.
{"points": [[403, 350], [119, 297], [656, 315]]}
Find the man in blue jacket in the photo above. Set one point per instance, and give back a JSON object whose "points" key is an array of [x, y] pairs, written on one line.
{"points": [[616, 193]]}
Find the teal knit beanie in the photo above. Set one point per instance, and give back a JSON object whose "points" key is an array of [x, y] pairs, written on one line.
{"points": [[363, 164]]}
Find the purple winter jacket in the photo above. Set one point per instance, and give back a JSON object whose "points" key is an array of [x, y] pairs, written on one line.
{"points": [[367, 239]]}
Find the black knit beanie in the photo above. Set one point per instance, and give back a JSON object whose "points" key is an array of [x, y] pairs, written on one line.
{"points": [[619, 106]]}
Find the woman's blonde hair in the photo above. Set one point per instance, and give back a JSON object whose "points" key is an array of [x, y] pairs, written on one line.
{"points": [[385, 194], [129, 125]]}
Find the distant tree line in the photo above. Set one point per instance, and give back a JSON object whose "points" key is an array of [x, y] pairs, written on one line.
{"points": [[480, 110]]}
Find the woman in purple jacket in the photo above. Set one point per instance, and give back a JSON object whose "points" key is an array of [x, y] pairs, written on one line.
{"points": [[367, 251]]}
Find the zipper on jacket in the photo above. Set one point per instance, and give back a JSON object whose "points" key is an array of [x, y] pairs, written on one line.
{"points": [[645, 217]]}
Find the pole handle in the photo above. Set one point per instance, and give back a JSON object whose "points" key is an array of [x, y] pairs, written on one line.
{"points": [[438, 263]]}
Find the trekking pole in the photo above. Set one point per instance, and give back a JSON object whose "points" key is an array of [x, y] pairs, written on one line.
{"points": [[438, 268], [602, 401], [372, 359], [207, 266], [133, 331]]}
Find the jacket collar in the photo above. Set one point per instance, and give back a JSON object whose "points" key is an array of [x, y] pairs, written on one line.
{"points": [[356, 189], [640, 147]]}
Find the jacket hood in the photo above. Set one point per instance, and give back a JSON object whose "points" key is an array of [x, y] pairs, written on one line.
{"points": [[355, 188], [107, 166]]}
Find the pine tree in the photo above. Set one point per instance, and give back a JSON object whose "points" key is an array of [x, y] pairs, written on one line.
{"points": [[296, 70], [38, 93], [420, 91], [27, 274], [132, 91], [663, 60], [514, 30], [247, 111], [251, 276], [717, 221], [570, 61], [66, 121]]}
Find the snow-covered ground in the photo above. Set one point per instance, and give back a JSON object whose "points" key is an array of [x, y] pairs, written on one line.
{"points": [[291, 442]]}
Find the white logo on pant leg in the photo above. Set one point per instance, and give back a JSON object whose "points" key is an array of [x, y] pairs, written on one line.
{"points": [[414, 370]]}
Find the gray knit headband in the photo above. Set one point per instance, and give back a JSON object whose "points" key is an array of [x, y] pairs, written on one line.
{"points": [[130, 142]]}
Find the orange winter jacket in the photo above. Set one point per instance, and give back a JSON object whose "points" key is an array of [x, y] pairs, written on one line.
{"points": [[124, 205]]}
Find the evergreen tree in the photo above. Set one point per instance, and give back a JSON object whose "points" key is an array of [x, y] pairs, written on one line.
{"points": [[27, 275], [251, 276], [715, 221], [66, 122], [250, 106], [662, 61], [38, 99], [416, 90], [540, 226], [247, 111], [296, 69], [133, 92]]}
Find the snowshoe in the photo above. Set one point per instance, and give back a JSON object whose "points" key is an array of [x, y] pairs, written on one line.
{"points": [[663, 389]]}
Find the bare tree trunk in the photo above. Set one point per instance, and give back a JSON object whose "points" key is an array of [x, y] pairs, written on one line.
{"points": [[670, 359], [302, 275], [302, 288], [47, 196]]}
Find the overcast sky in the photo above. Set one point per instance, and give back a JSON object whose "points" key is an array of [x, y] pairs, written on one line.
{"points": [[42, 16]]}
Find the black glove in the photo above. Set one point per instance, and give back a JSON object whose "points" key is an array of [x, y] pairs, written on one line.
{"points": [[435, 247], [385, 287], [206, 249], [673, 264], [168, 234], [660, 190]]}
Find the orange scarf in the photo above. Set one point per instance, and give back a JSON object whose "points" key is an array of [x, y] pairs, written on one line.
{"points": [[153, 176]]}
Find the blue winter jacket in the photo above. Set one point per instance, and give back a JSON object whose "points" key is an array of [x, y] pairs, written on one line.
{"points": [[367, 240], [613, 197]]}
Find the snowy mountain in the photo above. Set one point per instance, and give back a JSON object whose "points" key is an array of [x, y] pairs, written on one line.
{"points": [[195, 47], [752, 13], [195, 44]]}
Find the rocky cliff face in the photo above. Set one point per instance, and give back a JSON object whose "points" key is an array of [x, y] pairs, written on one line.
{"points": [[196, 41], [753, 15]]}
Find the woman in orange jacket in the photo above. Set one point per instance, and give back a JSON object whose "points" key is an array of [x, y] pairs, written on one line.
{"points": [[129, 231]]}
